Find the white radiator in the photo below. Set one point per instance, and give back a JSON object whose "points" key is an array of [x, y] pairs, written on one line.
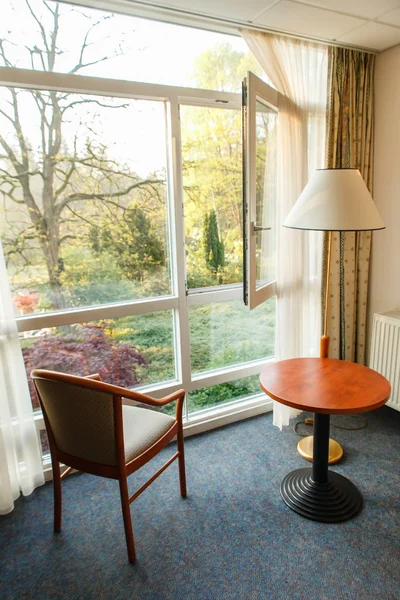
{"points": [[385, 352]]}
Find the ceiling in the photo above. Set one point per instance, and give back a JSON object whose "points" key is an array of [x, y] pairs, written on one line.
{"points": [[368, 24]]}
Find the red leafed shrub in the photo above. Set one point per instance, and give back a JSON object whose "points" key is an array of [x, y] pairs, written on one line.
{"points": [[87, 349], [26, 302]]}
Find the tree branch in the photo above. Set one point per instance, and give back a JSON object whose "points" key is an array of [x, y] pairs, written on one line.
{"points": [[41, 28], [11, 156], [81, 218], [67, 178], [3, 54], [104, 197], [91, 101], [81, 64], [67, 237]]}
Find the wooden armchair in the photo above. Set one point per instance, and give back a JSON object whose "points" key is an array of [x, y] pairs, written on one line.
{"points": [[89, 429]]}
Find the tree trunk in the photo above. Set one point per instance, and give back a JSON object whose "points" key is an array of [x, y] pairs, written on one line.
{"points": [[54, 264]]}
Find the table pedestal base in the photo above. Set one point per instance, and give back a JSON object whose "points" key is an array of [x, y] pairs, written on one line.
{"points": [[332, 502], [306, 445]]}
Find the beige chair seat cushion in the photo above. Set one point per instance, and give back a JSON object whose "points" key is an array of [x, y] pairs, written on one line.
{"points": [[142, 428]]}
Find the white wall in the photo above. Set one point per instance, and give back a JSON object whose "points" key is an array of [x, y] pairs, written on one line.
{"points": [[385, 266]]}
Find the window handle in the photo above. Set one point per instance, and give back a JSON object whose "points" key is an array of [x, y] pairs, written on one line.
{"points": [[260, 228]]}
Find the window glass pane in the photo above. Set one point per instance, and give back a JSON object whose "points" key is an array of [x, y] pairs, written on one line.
{"points": [[121, 46], [87, 221], [228, 333], [44, 442], [224, 392], [266, 132], [128, 351], [212, 182]]}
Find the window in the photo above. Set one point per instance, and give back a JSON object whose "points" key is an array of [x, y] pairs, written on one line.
{"points": [[260, 175], [121, 203], [225, 334], [212, 184], [89, 223]]}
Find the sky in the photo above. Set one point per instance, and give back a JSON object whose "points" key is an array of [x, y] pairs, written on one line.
{"points": [[153, 52], [142, 50]]}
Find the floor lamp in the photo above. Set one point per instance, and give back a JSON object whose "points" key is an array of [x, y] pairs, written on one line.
{"points": [[333, 200]]}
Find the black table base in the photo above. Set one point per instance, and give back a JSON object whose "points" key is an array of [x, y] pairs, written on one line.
{"points": [[317, 493], [331, 502]]}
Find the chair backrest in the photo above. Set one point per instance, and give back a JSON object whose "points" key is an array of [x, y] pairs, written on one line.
{"points": [[81, 418]]}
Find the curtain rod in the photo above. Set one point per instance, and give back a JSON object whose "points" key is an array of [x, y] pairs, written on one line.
{"points": [[161, 13]]}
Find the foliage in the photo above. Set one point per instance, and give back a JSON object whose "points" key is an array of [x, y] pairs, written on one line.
{"points": [[26, 302], [152, 335], [212, 169], [58, 179], [212, 164], [226, 333], [224, 392], [83, 350], [214, 253], [212, 177], [89, 279], [222, 68], [137, 248]]}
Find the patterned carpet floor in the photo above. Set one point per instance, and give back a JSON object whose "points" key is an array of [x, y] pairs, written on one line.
{"points": [[233, 537]]}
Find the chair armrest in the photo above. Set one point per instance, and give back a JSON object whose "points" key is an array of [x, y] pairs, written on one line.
{"points": [[171, 397], [179, 395], [144, 398]]}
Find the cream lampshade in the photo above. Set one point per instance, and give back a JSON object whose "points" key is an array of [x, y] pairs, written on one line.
{"points": [[333, 200]]}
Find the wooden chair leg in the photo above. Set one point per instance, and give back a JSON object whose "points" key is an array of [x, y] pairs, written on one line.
{"points": [[126, 513], [57, 494], [181, 463]]}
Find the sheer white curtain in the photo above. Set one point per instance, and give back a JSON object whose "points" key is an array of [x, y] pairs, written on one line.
{"points": [[20, 457], [299, 71]]}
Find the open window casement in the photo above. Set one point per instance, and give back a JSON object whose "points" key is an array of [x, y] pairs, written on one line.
{"points": [[260, 121]]}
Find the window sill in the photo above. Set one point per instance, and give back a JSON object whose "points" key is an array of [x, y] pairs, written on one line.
{"points": [[229, 413]]}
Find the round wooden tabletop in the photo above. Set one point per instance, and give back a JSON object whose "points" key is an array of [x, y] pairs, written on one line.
{"points": [[325, 385]]}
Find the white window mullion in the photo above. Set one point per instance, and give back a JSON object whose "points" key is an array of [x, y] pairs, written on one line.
{"points": [[95, 313], [231, 373], [182, 335], [224, 293], [115, 88]]}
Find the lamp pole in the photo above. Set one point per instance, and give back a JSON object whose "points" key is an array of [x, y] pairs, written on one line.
{"points": [[324, 343], [308, 445]]}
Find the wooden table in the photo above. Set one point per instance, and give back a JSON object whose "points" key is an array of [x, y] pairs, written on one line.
{"points": [[323, 386]]}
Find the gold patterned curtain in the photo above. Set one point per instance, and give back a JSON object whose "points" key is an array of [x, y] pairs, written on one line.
{"points": [[349, 142]]}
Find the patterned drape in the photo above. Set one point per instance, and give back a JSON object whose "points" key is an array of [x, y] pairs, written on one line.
{"points": [[349, 142]]}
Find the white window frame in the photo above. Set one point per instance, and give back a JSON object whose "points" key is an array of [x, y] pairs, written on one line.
{"points": [[180, 299], [254, 89]]}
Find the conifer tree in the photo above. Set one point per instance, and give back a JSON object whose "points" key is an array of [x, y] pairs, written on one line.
{"points": [[213, 246]]}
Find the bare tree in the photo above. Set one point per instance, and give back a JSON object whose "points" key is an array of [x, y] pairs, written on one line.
{"points": [[50, 182]]}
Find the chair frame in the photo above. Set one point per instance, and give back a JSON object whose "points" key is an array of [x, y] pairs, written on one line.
{"points": [[123, 469]]}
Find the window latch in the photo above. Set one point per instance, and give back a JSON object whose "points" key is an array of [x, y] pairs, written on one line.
{"points": [[260, 228]]}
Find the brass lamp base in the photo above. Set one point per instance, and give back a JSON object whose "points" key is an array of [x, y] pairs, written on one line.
{"points": [[305, 449]]}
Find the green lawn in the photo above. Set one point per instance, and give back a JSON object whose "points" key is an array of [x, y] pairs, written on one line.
{"points": [[221, 335]]}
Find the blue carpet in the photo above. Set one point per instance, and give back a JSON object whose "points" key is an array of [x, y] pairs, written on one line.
{"points": [[233, 537]]}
